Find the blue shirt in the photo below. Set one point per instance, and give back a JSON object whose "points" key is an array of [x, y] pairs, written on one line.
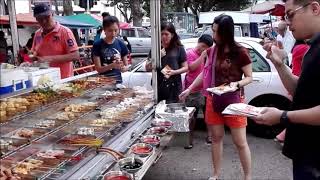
{"points": [[106, 52]]}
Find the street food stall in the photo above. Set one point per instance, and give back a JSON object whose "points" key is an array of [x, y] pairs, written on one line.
{"points": [[55, 132], [84, 127]]}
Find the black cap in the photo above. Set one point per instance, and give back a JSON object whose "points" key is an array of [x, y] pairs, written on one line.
{"points": [[42, 9], [207, 39]]}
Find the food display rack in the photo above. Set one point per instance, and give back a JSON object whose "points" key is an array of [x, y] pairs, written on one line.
{"points": [[78, 162]]}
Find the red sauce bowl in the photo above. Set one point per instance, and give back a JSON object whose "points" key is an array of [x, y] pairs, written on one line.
{"points": [[162, 123], [159, 131], [142, 149], [117, 175], [151, 139]]}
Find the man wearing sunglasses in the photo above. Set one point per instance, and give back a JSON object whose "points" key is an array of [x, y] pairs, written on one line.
{"points": [[53, 43], [303, 120]]}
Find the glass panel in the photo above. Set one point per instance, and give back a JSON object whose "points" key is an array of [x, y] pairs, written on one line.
{"points": [[143, 33], [258, 63], [128, 32]]}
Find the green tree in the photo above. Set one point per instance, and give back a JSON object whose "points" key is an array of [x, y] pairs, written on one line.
{"points": [[197, 6], [67, 8], [136, 10], [55, 3]]}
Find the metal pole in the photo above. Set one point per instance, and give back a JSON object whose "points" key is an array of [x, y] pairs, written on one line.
{"points": [[87, 30], [271, 25], [88, 6], [156, 44], [2, 8], [14, 28]]}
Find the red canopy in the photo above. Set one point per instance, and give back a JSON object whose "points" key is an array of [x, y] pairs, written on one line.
{"points": [[274, 7], [123, 25], [25, 19]]}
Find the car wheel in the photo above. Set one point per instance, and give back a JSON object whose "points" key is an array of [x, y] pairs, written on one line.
{"points": [[268, 132]]}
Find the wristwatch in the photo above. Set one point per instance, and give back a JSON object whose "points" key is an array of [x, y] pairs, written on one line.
{"points": [[284, 119]]}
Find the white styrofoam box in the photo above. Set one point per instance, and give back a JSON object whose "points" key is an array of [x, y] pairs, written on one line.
{"points": [[13, 80], [10, 75], [52, 73]]}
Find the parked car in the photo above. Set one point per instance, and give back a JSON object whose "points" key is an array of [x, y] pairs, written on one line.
{"points": [[265, 90], [139, 38], [208, 30]]}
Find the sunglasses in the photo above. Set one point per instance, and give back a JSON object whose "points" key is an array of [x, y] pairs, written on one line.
{"points": [[289, 16]]}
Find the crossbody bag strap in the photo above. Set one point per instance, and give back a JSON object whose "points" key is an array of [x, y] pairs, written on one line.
{"points": [[213, 57]]}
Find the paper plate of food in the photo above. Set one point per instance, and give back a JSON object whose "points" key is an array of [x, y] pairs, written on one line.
{"points": [[242, 109], [164, 71], [222, 89]]}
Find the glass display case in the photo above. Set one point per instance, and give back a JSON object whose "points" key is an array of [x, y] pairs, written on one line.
{"points": [[59, 130]]}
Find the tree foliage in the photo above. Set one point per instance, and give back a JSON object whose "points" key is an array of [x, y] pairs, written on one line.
{"points": [[136, 10], [67, 8], [195, 6]]}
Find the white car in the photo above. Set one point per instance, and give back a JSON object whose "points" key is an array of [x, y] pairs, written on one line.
{"points": [[139, 38], [265, 90]]}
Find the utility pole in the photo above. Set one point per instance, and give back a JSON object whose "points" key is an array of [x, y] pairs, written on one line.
{"points": [[14, 28]]}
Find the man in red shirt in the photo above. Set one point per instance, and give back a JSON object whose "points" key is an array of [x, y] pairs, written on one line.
{"points": [[53, 43]]}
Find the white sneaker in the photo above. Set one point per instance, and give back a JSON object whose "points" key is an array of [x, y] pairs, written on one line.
{"points": [[213, 178]]}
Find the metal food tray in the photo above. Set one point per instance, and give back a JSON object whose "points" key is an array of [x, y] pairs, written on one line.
{"points": [[50, 138], [45, 106], [173, 107]]}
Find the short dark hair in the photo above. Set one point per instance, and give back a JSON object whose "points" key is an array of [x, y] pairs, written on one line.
{"points": [[206, 39], [105, 14], [109, 20]]}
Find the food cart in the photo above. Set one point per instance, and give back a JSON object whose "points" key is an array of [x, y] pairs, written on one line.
{"points": [[83, 127], [61, 132]]}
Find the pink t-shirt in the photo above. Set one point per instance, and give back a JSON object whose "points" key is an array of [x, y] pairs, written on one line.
{"points": [[192, 55], [59, 41]]}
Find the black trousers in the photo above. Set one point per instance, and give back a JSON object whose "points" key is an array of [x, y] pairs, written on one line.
{"points": [[303, 170]]}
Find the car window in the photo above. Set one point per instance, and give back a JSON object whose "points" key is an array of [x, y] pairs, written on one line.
{"points": [[258, 62], [128, 33], [143, 33], [237, 32]]}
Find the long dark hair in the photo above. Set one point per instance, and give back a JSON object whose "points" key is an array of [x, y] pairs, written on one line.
{"points": [[226, 37], [175, 40]]}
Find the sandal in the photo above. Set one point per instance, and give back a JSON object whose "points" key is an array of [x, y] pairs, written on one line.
{"points": [[190, 146], [208, 140]]}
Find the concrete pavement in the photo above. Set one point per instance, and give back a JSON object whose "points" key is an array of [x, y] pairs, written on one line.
{"points": [[177, 163]]}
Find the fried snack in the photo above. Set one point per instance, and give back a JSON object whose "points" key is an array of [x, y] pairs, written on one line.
{"points": [[77, 108], [25, 133], [79, 140], [26, 166], [102, 122], [3, 105], [65, 116], [3, 113], [45, 124], [50, 154]]}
